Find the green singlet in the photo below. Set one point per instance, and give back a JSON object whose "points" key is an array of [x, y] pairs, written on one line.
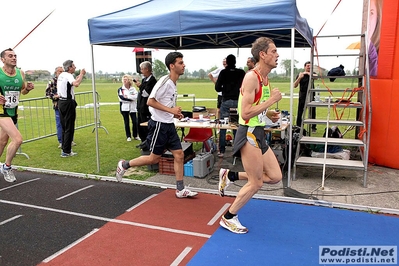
{"points": [[10, 87]]}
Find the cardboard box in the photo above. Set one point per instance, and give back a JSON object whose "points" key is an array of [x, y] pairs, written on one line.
{"points": [[203, 164], [197, 114]]}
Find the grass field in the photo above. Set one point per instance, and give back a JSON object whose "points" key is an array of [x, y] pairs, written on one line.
{"points": [[113, 146]]}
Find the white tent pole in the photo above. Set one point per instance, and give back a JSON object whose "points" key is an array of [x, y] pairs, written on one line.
{"points": [[96, 120], [291, 105], [323, 177]]}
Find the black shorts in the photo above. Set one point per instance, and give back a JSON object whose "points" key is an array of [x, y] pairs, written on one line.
{"points": [[14, 118], [162, 136], [256, 136]]}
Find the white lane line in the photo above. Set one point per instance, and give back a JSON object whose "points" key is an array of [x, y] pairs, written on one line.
{"points": [[72, 193], [18, 184], [69, 246], [141, 202], [182, 255], [160, 228], [11, 219], [219, 213]]}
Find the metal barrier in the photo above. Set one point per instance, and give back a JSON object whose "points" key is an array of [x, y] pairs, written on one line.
{"points": [[187, 95], [36, 117]]}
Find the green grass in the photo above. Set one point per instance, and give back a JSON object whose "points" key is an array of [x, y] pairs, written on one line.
{"points": [[43, 153]]}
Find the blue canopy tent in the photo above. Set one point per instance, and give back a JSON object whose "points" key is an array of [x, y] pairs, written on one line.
{"points": [[202, 24]]}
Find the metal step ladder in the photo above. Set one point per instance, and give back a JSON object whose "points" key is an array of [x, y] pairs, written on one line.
{"points": [[357, 102]]}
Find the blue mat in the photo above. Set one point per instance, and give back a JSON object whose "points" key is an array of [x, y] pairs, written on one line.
{"points": [[290, 234]]}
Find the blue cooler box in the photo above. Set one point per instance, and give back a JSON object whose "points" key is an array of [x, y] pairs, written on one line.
{"points": [[203, 164]]}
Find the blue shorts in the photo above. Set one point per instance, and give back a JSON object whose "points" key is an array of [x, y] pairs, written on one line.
{"points": [[162, 136]]}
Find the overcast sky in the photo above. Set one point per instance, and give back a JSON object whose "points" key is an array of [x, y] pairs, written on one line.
{"points": [[64, 35]]}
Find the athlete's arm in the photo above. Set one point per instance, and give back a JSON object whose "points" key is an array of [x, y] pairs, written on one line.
{"points": [[176, 111], [26, 86]]}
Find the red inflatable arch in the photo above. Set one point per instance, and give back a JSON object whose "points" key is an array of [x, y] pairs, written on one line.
{"points": [[384, 135]]}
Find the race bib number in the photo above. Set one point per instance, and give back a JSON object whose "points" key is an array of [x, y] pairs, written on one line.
{"points": [[12, 99]]}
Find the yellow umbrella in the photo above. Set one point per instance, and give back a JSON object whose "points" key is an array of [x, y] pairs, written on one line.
{"points": [[354, 46]]}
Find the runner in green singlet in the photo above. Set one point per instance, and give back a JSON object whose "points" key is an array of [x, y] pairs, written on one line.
{"points": [[12, 84]]}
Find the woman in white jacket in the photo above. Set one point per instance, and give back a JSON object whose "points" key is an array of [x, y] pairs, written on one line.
{"points": [[128, 106]]}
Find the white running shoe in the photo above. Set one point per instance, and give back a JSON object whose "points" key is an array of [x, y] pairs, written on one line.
{"points": [[120, 171], [233, 225], [224, 181], [137, 138], [185, 193], [8, 174], [129, 139]]}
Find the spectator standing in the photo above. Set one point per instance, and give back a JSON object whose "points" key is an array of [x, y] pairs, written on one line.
{"points": [[9, 99], [51, 93], [228, 83], [145, 88], [66, 85], [303, 79], [162, 132], [128, 106], [213, 76], [251, 63]]}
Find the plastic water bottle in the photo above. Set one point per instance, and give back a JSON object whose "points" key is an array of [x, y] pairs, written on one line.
{"points": [[317, 94]]}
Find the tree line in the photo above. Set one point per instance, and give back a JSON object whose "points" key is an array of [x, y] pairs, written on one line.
{"points": [[159, 70]]}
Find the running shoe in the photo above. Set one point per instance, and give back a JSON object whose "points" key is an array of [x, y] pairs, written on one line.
{"points": [[120, 171], [185, 193], [224, 181], [129, 139], [8, 174], [64, 154], [137, 138], [233, 225]]}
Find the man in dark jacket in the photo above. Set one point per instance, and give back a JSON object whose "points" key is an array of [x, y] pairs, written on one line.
{"points": [[303, 79], [229, 83]]}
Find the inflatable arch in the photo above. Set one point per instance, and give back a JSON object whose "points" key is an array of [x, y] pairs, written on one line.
{"points": [[384, 86]]}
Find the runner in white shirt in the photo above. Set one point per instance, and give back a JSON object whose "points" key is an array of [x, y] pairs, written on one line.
{"points": [[162, 132]]}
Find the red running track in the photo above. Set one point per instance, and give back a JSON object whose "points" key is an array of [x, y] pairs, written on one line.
{"points": [[163, 230]]}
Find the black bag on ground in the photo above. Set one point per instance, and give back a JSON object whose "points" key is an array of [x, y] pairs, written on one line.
{"points": [[333, 132], [305, 150]]}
